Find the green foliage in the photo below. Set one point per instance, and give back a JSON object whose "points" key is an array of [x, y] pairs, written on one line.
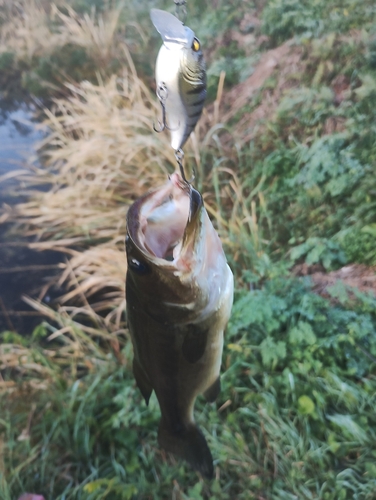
{"points": [[283, 19], [314, 380], [6, 61], [50, 72], [359, 245], [371, 53], [296, 413], [237, 68], [315, 183], [309, 188], [306, 108], [319, 251], [82, 6], [329, 165]]}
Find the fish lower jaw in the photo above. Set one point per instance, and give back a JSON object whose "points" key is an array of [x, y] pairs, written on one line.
{"points": [[190, 306]]}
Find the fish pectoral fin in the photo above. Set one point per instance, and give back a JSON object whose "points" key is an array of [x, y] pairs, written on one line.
{"points": [[142, 381], [190, 445], [212, 393], [194, 343]]}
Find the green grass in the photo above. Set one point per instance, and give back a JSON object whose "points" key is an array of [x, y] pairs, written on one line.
{"points": [[295, 417]]}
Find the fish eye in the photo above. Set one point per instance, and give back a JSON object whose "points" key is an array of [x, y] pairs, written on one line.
{"points": [[196, 45], [138, 267]]}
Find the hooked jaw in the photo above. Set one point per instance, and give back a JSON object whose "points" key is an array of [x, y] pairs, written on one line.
{"points": [[163, 222], [163, 217], [164, 228]]}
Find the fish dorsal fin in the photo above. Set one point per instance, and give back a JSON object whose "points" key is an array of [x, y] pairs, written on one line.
{"points": [[170, 28]]}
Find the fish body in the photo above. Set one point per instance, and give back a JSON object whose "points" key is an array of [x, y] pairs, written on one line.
{"points": [[179, 292], [180, 70]]}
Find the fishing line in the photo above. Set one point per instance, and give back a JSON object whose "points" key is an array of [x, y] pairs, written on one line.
{"points": [[181, 10], [181, 14]]}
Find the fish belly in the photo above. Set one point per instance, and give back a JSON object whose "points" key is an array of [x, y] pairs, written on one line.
{"points": [[160, 365], [179, 362]]}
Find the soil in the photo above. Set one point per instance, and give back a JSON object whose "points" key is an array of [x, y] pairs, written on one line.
{"points": [[353, 275], [287, 61], [242, 93], [286, 64]]}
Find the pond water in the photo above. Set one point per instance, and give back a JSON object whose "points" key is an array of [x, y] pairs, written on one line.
{"points": [[22, 271]]}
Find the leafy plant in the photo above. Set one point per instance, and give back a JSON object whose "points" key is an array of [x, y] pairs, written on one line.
{"points": [[319, 251], [330, 165], [359, 244], [283, 19]]}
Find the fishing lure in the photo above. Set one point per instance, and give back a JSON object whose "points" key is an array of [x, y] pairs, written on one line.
{"points": [[180, 76]]}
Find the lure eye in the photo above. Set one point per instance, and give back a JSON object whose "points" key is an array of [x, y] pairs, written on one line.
{"points": [[138, 267], [196, 45]]}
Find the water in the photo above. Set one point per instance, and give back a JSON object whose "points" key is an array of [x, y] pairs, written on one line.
{"points": [[22, 271], [18, 134]]}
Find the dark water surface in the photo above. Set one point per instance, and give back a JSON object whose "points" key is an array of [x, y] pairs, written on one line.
{"points": [[22, 271]]}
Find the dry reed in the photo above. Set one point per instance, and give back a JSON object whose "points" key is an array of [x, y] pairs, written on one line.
{"points": [[100, 154], [27, 29], [36, 28]]}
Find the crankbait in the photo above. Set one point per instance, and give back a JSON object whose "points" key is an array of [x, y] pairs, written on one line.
{"points": [[180, 76]]}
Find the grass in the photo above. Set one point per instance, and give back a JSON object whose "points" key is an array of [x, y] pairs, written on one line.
{"points": [[286, 178], [295, 417]]}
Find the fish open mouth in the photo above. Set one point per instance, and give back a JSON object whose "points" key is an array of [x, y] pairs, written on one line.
{"points": [[166, 217]]}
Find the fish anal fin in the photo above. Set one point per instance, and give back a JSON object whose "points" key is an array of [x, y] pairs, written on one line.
{"points": [[142, 381], [190, 445], [213, 391]]}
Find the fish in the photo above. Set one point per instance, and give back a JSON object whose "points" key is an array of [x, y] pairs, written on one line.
{"points": [[180, 75], [179, 294]]}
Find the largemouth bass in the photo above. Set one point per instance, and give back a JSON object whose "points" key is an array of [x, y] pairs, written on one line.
{"points": [[180, 76], [179, 292]]}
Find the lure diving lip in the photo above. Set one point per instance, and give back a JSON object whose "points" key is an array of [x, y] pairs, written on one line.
{"points": [[180, 76]]}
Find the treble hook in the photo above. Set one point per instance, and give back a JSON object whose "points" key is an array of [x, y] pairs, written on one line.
{"points": [[179, 155], [162, 94]]}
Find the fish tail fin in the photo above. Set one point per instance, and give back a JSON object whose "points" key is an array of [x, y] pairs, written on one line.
{"points": [[188, 444]]}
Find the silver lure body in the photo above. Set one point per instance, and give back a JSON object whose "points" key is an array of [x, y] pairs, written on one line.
{"points": [[180, 76]]}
